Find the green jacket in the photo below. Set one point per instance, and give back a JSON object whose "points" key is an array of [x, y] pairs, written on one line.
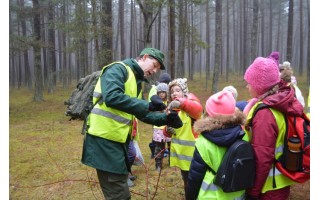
{"points": [[105, 154]]}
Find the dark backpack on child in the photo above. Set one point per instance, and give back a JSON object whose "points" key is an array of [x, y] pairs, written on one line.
{"points": [[294, 164], [237, 169]]}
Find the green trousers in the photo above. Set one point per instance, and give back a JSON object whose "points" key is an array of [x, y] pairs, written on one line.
{"points": [[114, 186]]}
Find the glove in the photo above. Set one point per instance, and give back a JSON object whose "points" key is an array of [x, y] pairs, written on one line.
{"points": [[165, 133], [171, 131], [175, 104], [156, 104], [173, 120]]}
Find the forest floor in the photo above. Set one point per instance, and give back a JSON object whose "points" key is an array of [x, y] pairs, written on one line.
{"points": [[45, 150]]}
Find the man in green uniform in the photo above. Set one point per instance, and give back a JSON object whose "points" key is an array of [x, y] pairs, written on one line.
{"points": [[117, 101]]}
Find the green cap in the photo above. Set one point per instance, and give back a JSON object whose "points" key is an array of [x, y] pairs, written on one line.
{"points": [[155, 53]]}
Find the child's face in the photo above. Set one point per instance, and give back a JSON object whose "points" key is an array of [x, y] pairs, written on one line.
{"points": [[176, 92], [162, 95], [252, 92]]}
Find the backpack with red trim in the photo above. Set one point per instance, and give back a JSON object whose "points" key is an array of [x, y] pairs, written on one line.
{"points": [[294, 164]]}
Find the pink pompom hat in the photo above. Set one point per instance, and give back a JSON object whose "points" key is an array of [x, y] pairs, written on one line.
{"points": [[262, 74]]}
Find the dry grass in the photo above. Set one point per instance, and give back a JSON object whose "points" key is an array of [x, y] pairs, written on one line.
{"points": [[45, 151]]}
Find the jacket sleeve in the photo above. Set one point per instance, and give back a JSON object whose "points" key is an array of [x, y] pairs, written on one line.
{"points": [[112, 88], [191, 105], [198, 169], [264, 136]]}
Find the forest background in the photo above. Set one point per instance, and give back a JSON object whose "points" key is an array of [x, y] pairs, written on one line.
{"points": [[52, 44]]}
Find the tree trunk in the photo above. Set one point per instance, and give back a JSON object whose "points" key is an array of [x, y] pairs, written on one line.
{"points": [[308, 44], [208, 42], [106, 54], [95, 29], [51, 64], [38, 96], [27, 75], [301, 40], [217, 55], [290, 33], [171, 40], [121, 26], [270, 28], [228, 43], [181, 40], [254, 31]]}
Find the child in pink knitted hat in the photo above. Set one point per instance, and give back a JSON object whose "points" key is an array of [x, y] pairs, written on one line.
{"points": [[220, 127], [267, 125], [262, 75]]}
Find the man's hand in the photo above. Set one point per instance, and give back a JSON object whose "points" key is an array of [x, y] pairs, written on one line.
{"points": [[156, 104], [173, 120]]}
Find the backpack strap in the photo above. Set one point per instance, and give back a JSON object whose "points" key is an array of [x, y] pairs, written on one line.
{"points": [[259, 107]]}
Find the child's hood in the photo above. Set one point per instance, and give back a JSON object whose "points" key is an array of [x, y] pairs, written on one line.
{"points": [[222, 130]]}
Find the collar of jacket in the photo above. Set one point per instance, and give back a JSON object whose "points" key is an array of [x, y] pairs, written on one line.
{"points": [[222, 130]]}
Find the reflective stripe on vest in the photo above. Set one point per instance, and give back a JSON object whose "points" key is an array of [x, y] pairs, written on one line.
{"points": [[280, 179], [212, 155], [182, 144], [109, 123]]}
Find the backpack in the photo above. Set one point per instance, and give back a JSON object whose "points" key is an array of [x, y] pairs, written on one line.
{"points": [[80, 103], [296, 126], [237, 169]]}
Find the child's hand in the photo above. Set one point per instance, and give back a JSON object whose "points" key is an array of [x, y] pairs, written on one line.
{"points": [[174, 105], [169, 131]]}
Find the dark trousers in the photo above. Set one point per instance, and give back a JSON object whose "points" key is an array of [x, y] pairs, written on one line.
{"points": [[113, 186], [184, 175]]}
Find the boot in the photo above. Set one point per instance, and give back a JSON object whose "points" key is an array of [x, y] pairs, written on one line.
{"points": [[152, 147]]}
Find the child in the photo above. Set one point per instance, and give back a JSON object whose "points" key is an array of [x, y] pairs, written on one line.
{"points": [[163, 78], [287, 75], [182, 139], [219, 129], [267, 127], [158, 137], [239, 104]]}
